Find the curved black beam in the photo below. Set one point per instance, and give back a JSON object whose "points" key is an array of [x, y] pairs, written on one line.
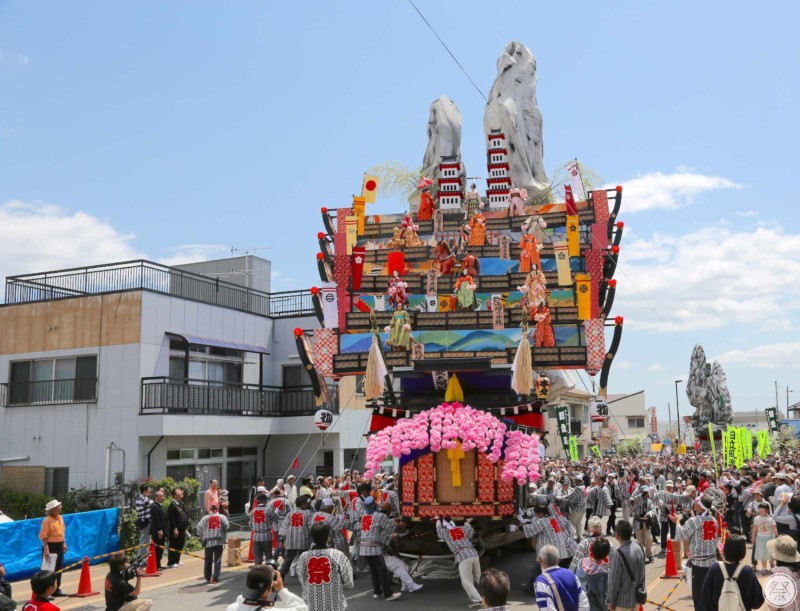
{"points": [[328, 222], [324, 268], [610, 264], [324, 245], [316, 301], [609, 297], [612, 218], [308, 363], [618, 234], [610, 355]]}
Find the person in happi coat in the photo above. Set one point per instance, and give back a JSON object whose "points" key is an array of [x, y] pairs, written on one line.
{"points": [[459, 540], [336, 523], [595, 532], [261, 526], [294, 531], [324, 572], [477, 234], [212, 530], [376, 532], [547, 528], [574, 500], [598, 498], [389, 495], [642, 515], [702, 533]]}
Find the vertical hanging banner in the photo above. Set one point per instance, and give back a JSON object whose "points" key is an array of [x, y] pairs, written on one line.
{"points": [[562, 264], [505, 247], [360, 210], [724, 449], [573, 448], [575, 181], [596, 450], [438, 222], [432, 283], [731, 446], [569, 204], [772, 419], [369, 190], [738, 453], [330, 309], [562, 421], [713, 448], [351, 229], [359, 254], [573, 236]]}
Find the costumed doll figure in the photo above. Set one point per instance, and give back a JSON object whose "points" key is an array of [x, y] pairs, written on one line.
{"points": [[516, 201], [409, 231], [536, 225], [425, 212], [445, 257], [465, 292], [529, 253], [477, 225], [544, 337], [399, 331], [397, 291], [536, 290], [472, 202], [471, 264]]}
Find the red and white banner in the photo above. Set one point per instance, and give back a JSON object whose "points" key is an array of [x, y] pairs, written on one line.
{"points": [[574, 174], [653, 420]]}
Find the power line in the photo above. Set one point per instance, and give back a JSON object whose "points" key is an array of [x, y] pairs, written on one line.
{"points": [[455, 59]]}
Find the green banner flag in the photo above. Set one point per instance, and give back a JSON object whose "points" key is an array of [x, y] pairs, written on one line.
{"points": [[731, 446], [596, 450], [713, 448], [562, 422], [724, 449], [738, 450], [573, 448], [748, 444], [772, 419]]}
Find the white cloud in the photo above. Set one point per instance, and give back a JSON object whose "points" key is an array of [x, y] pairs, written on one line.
{"points": [[747, 214], [655, 367], [657, 190], [770, 356], [36, 236], [710, 278], [23, 60], [622, 364]]}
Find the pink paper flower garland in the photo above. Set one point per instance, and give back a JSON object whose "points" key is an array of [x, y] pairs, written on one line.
{"points": [[443, 426]]}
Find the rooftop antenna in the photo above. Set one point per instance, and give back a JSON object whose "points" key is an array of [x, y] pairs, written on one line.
{"points": [[247, 252]]}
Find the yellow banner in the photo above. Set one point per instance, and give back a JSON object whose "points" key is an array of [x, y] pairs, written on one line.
{"points": [[369, 189], [583, 286], [596, 450], [573, 448]]}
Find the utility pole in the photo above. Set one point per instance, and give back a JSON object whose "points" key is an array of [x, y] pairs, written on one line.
{"points": [[776, 397], [669, 415], [678, 406]]}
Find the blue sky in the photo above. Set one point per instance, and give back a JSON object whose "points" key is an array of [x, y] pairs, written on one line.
{"points": [[178, 130]]}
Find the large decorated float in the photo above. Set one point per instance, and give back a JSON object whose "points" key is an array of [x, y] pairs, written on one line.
{"points": [[462, 310]]}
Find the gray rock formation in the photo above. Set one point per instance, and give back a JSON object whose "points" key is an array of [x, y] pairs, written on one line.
{"points": [[707, 390], [444, 137], [513, 109]]}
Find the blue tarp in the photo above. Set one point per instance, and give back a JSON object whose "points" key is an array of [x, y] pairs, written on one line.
{"points": [[90, 533]]}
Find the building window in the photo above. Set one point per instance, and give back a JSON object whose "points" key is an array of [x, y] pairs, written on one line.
{"points": [[294, 376], [184, 454], [586, 414], [636, 423], [56, 481], [201, 371], [53, 381], [209, 453]]}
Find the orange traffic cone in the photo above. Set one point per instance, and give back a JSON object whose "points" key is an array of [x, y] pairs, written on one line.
{"points": [[152, 567], [85, 584], [671, 571], [250, 556]]}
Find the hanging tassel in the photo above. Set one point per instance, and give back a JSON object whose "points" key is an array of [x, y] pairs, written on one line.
{"points": [[454, 392], [522, 378], [375, 377]]}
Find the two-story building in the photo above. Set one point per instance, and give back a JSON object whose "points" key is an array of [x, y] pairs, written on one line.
{"points": [[127, 370]]}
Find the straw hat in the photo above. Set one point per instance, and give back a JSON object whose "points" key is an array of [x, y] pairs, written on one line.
{"points": [[783, 548], [51, 505]]}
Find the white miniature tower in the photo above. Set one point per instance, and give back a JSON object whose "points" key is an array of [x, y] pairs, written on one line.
{"points": [[451, 184], [498, 184]]}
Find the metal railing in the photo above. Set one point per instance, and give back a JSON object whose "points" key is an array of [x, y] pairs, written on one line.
{"points": [[48, 392], [149, 276], [162, 395]]}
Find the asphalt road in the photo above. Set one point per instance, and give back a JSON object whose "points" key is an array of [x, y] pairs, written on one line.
{"points": [[437, 594]]}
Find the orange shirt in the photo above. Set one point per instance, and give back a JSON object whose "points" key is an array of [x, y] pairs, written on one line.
{"points": [[52, 529]]}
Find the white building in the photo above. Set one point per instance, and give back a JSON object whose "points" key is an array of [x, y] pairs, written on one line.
{"points": [[498, 183], [185, 374], [451, 184], [577, 400]]}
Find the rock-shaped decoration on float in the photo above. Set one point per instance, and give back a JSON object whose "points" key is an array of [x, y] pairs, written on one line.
{"points": [[513, 109], [707, 390], [444, 138]]}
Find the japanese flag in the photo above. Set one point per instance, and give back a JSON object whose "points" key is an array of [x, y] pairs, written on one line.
{"points": [[370, 189]]}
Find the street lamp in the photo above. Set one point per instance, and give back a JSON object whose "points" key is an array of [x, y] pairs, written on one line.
{"points": [[678, 406]]}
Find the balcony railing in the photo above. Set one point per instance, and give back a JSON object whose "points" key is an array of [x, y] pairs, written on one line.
{"points": [[49, 392], [149, 276], [161, 395]]}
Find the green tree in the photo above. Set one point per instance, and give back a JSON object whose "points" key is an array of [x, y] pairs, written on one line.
{"points": [[631, 446], [398, 180]]}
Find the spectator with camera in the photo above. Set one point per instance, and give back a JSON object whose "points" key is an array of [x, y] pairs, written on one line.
{"points": [[262, 581], [120, 594]]}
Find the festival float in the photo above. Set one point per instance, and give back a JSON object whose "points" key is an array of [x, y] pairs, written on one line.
{"points": [[462, 311]]}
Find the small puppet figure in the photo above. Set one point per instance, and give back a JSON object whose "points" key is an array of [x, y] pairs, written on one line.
{"points": [[536, 290], [445, 257], [465, 292], [472, 202], [397, 291], [529, 253], [405, 236], [536, 225], [477, 225], [399, 330], [545, 338], [425, 212], [516, 201], [471, 264]]}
